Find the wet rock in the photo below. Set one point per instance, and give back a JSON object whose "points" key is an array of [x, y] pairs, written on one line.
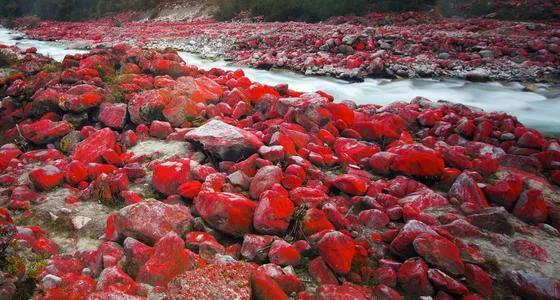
{"points": [[443, 282], [350, 184], [402, 244], [479, 280], [46, 178], [224, 141]]}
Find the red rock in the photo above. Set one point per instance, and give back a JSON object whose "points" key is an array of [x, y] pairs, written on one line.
{"points": [[383, 292], [265, 287], [265, 178], [416, 160], [385, 276], [310, 196], [353, 151], [373, 218], [224, 141], [320, 272], [272, 153], [113, 279], [533, 286], [315, 221], [443, 282], [219, 281], [73, 286], [505, 192], [337, 250], [255, 247], [479, 280], [148, 105], [494, 219], [113, 114], [440, 252], [227, 212], [350, 184], [402, 244], [46, 178], [81, 97], [273, 213], [45, 131], [170, 259], [150, 220], [75, 172], [531, 207], [169, 175], [345, 291], [466, 190], [160, 129], [284, 254], [189, 189], [413, 277], [137, 254], [529, 249], [90, 149]]}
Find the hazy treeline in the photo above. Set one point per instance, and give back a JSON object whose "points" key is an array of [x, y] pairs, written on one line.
{"points": [[69, 9]]}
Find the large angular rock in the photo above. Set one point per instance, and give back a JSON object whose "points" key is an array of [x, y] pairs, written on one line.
{"points": [[273, 213], [440, 252], [466, 190], [150, 220], [169, 175], [227, 212], [338, 250], [91, 149], [225, 141], [533, 286], [81, 97], [45, 131], [147, 106], [113, 114], [265, 178], [169, 260]]}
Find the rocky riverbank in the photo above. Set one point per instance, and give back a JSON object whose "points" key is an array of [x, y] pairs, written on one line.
{"points": [[126, 173], [407, 45]]}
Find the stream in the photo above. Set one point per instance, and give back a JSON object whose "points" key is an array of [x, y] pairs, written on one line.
{"points": [[539, 109]]}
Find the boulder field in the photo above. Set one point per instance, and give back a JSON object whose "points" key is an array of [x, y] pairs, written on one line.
{"points": [[394, 45], [129, 174]]}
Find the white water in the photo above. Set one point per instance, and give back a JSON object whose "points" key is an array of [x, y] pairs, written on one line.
{"points": [[533, 109]]}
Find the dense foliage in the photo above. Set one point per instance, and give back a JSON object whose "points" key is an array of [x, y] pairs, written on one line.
{"points": [[69, 9]]}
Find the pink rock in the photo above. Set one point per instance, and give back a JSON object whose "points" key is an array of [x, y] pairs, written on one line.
{"points": [[113, 279], [255, 247], [373, 218], [148, 105], [529, 249], [345, 291], [113, 114], [151, 220], [160, 129], [265, 178]]}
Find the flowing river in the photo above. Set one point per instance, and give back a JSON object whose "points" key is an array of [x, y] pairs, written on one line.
{"points": [[540, 109]]}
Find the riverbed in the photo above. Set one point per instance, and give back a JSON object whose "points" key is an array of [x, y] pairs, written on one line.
{"points": [[539, 109]]}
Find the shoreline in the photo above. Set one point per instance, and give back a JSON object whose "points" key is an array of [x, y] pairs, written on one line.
{"points": [[345, 51]]}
